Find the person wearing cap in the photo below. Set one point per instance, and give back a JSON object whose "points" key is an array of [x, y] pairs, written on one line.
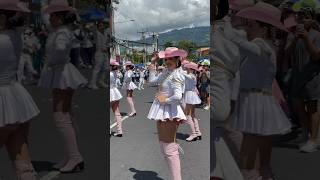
{"points": [[191, 98], [17, 107], [303, 46], [129, 86], [63, 78], [99, 57], [166, 109], [258, 114], [115, 96]]}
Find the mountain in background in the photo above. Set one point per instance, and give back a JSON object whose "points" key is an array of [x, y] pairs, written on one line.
{"points": [[198, 35]]}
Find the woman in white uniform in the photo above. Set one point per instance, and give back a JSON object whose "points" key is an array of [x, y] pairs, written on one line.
{"points": [[129, 85], [115, 96], [166, 109], [141, 78], [258, 114], [63, 78], [191, 98], [17, 107]]}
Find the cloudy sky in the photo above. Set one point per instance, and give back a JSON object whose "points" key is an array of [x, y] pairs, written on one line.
{"points": [[159, 16]]}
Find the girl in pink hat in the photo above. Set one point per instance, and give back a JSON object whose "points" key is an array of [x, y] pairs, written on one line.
{"points": [[191, 98], [115, 96], [129, 85], [17, 107], [62, 78], [258, 114], [166, 109]]}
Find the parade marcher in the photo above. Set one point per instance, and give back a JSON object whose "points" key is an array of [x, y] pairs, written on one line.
{"points": [[225, 56], [129, 85], [166, 109], [63, 78], [191, 98], [30, 46], [115, 96], [100, 57], [256, 78], [119, 77], [87, 48], [17, 107], [75, 51], [141, 79]]}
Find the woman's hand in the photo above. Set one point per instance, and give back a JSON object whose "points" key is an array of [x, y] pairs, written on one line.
{"points": [[161, 98]]}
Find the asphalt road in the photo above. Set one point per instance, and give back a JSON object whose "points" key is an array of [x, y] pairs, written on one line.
{"points": [[137, 154], [91, 115]]}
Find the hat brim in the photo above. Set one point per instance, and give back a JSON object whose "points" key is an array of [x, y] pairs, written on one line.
{"points": [[13, 7], [177, 53], [56, 8], [254, 14]]}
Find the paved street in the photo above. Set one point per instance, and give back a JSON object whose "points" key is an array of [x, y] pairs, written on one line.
{"points": [[91, 114], [137, 154]]}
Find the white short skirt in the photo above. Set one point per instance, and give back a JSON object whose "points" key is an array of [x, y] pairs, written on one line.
{"points": [[129, 86], [115, 94], [260, 114], [63, 77], [16, 105], [163, 112], [191, 97]]}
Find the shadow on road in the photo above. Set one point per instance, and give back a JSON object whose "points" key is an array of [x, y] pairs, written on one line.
{"points": [[182, 136], [41, 166], [143, 175]]}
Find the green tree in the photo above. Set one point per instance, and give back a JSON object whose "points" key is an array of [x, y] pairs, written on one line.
{"points": [[187, 46], [168, 44], [136, 58]]}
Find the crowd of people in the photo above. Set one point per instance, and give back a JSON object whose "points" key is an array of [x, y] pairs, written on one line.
{"points": [[265, 84], [176, 98], [51, 56]]}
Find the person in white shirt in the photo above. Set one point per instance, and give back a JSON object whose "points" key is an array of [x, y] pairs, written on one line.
{"points": [[141, 79], [99, 70]]}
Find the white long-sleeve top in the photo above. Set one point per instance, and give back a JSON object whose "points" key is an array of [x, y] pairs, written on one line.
{"points": [[190, 82], [128, 76], [101, 41], [170, 84], [113, 79], [10, 51], [58, 47]]}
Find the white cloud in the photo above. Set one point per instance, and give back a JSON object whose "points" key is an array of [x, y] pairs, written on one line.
{"points": [[159, 15]]}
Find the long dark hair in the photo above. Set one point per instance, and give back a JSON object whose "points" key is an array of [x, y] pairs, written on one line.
{"points": [[223, 9]]}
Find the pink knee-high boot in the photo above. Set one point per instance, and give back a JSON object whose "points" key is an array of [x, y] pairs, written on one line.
{"points": [[193, 135], [117, 117], [171, 154], [24, 170], [131, 105], [73, 160], [197, 128]]}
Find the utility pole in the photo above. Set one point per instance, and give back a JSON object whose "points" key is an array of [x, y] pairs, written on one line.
{"points": [[143, 35]]}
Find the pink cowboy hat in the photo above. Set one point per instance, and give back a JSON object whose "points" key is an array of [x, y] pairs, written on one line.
{"points": [[172, 52], [128, 63], [24, 7], [58, 6], [114, 62], [237, 5], [264, 12], [192, 65], [290, 22], [184, 62], [13, 5]]}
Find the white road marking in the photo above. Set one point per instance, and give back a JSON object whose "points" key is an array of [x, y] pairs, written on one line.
{"points": [[50, 175], [114, 124]]}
